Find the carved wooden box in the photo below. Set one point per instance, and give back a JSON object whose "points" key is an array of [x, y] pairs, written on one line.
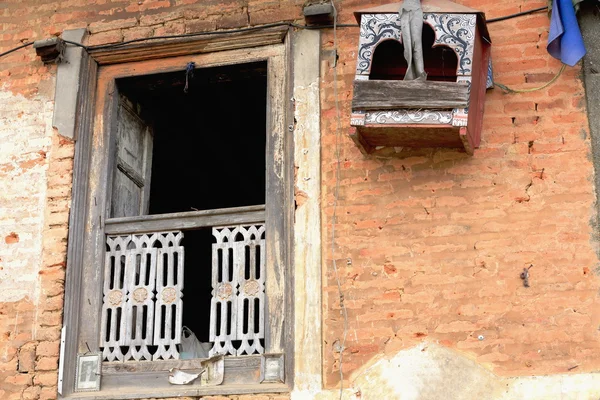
{"points": [[446, 110]]}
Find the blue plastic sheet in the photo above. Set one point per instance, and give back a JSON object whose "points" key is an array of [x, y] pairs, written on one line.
{"points": [[565, 41]]}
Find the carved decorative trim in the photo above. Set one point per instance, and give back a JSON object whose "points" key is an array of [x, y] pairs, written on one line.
{"points": [[357, 118], [374, 29], [409, 117], [456, 31]]}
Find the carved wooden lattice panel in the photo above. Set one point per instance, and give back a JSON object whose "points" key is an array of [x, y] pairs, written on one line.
{"points": [[169, 305], [142, 306], [237, 315]]}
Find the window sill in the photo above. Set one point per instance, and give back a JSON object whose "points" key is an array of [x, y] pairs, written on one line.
{"points": [[149, 379], [142, 389]]}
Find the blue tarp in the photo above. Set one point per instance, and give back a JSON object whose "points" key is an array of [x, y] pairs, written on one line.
{"points": [[565, 41]]}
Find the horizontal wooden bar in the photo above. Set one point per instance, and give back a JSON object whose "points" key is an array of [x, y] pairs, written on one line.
{"points": [[185, 220], [116, 367], [219, 41], [390, 95], [149, 378], [146, 387]]}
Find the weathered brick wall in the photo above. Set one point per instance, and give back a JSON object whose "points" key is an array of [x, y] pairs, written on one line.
{"points": [[430, 244], [435, 240], [32, 247], [36, 164]]}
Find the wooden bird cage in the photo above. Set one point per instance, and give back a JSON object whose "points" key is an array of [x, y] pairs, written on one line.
{"points": [[446, 110]]}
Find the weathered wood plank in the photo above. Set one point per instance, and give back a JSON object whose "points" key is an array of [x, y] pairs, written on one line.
{"points": [[134, 140], [389, 95], [75, 254], [198, 44], [240, 370], [289, 201], [306, 248], [185, 220], [100, 182], [148, 385], [278, 163], [421, 136]]}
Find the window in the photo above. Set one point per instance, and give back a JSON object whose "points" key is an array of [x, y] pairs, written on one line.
{"points": [[177, 151], [187, 224]]}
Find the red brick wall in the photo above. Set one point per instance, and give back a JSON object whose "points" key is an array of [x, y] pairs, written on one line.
{"points": [[430, 244]]}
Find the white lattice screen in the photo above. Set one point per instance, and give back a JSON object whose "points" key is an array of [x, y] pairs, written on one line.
{"points": [[237, 312], [142, 304]]}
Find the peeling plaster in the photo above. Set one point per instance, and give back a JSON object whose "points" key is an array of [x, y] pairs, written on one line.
{"points": [[432, 372], [307, 225], [26, 132]]}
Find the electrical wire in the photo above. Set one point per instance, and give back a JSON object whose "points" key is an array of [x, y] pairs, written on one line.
{"points": [[76, 44], [519, 14], [16, 48], [338, 134], [550, 82]]}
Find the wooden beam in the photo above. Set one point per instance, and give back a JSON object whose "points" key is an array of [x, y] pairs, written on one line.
{"points": [[151, 386], [153, 49], [75, 254], [116, 367], [277, 207], [185, 220], [389, 95]]}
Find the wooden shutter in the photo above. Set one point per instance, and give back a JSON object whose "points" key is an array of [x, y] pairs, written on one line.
{"points": [[237, 311], [142, 303], [133, 163]]}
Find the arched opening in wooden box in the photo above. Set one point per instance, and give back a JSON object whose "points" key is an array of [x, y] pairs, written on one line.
{"points": [[440, 61]]}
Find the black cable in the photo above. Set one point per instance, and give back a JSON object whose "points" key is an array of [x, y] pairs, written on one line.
{"points": [[266, 26], [248, 29], [83, 46], [16, 48], [517, 14], [309, 27]]}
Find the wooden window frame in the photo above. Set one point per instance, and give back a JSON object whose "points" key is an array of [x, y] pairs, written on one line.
{"points": [[88, 225]]}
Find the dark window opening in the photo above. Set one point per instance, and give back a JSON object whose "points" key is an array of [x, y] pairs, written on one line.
{"points": [[208, 152], [389, 64]]}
